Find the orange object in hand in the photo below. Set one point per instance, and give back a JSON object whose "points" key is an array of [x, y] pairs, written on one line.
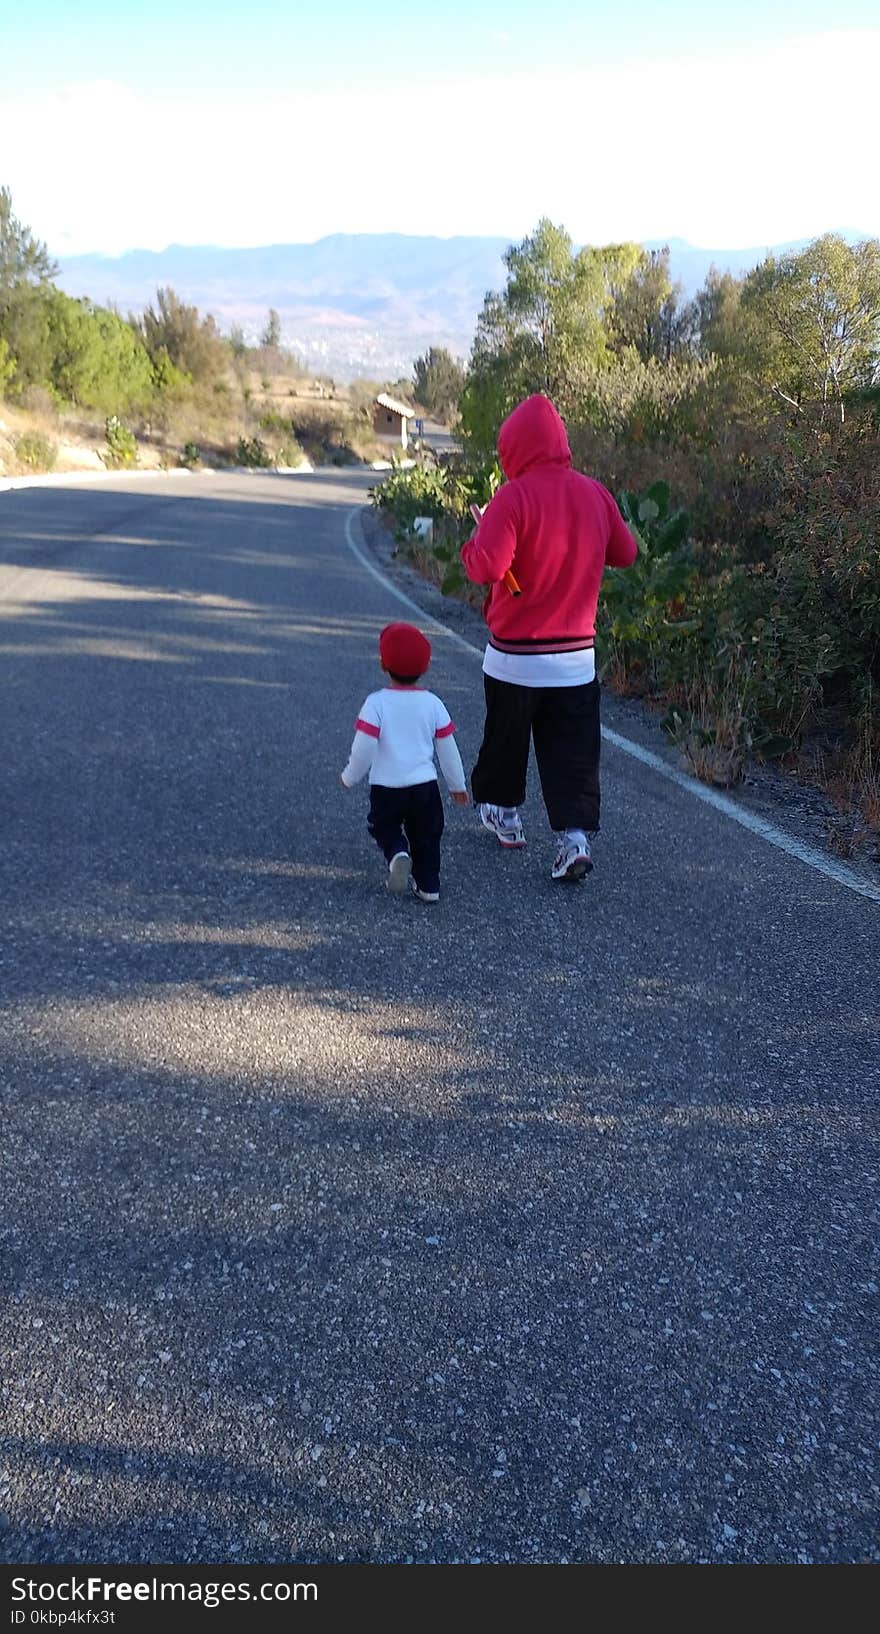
{"points": [[509, 580]]}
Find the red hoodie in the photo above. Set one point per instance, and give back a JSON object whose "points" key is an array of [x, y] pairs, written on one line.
{"points": [[555, 529]]}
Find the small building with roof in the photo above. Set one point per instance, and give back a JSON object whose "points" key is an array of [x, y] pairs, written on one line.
{"points": [[391, 420]]}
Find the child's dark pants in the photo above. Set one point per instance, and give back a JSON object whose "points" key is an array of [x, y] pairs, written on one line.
{"points": [[409, 819], [564, 722]]}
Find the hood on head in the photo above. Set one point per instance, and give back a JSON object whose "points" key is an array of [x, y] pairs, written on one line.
{"points": [[532, 435]]}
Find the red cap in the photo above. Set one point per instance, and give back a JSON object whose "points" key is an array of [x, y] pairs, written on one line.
{"points": [[404, 650]]}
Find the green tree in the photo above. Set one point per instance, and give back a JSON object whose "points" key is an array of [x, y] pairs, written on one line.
{"points": [[23, 258], [646, 400], [497, 376], [552, 321], [816, 322], [648, 314], [556, 300], [25, 326], [438, 381], [74, 364], [97, 360], [7, 367], [722, 327], [26, 273], [271, 335], [193, 343]]}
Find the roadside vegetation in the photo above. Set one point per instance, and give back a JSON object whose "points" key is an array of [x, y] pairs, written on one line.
{"points": [[82, 385], [740, 432]]}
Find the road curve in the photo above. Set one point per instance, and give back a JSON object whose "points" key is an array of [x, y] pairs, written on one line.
{"points": [[539, 1226]]}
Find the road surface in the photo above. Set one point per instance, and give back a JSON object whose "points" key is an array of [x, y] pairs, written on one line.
{"points": [[539, 1226]]}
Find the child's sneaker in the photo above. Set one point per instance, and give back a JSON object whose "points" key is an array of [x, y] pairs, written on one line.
{"points": [[573, 859], [423, 896], [399, 870], [505, 823]]}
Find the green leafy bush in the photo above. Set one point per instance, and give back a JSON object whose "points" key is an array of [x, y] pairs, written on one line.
{"points": [[421, 490], [644, 607], [444, 493], [120, 450], [190, 456]]}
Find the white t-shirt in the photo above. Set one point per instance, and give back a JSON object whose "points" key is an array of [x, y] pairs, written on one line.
{"points": [[397, 733], [541, 669]]}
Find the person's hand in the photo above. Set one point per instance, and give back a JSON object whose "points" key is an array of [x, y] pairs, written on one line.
{"points": [[460, 797]]}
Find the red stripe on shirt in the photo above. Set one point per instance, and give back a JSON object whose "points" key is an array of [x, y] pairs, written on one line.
{"points": [[445, 731], [366, 726]]}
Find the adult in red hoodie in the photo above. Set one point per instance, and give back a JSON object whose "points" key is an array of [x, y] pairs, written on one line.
{"points": [[556, 531]]}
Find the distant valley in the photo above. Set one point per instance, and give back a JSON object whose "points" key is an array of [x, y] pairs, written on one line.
{"points": [[350, 304]]}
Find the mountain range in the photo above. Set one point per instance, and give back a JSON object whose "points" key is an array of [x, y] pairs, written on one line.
{"points": [[350, 304]]}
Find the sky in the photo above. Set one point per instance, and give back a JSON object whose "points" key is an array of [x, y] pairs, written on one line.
{"points": [[738, 126]]}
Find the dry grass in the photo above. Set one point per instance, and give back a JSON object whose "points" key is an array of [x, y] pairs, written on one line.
{"points": [[847, 775], [76, 439], [325, 421], [714, 733]]}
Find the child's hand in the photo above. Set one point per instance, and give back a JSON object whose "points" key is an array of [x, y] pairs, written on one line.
{"points": [[460, 797]]}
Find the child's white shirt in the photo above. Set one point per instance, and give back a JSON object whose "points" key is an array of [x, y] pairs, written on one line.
{"points": [[397, 734]]}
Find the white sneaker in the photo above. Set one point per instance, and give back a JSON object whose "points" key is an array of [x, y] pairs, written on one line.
{"points": [[399, 870], [423, 896], [504, 822], [573, 860]]}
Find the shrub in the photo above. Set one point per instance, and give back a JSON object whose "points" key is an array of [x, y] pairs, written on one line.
{"points": [[35, 452], [190, 456], [40, 400], [252, 452], [270, 420], [645, 607], [7, 366], [321, 422], [644, 401], [289, 454], [405, 494], [120, 450], [258, 456]]}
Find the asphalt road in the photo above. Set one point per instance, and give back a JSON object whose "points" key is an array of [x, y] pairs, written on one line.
{"points": [[539, 1226]]}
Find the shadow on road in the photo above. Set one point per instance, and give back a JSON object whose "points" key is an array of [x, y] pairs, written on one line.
{"points": [[336, 1230]]}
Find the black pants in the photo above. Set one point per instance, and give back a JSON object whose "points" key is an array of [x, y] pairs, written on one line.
{"points": [[410, 820], [564, 722]]}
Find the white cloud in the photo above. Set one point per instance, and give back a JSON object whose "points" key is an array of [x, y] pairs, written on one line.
{"points": [[745, 150]]}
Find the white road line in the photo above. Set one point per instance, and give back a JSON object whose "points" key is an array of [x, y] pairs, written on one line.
{"points": [[424, 618], [837, 871]]}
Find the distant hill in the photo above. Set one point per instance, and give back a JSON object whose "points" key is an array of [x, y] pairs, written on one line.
{"points": [[350, 303]]}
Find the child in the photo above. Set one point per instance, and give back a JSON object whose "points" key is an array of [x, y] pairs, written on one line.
{"points": [[397, 734]]}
